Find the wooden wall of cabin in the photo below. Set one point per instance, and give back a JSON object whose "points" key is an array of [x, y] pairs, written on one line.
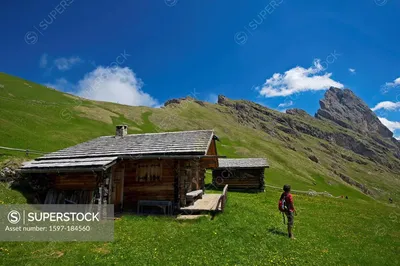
{"points": [[158, 186], [80, 188], [212, 161], [74, 181], [239, 179], [177, 177]]}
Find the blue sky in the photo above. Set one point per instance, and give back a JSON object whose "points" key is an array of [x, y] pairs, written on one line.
{"points": [[280, 53]]}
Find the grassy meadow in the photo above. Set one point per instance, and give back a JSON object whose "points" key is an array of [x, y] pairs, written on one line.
{"points": [[328, 231]]}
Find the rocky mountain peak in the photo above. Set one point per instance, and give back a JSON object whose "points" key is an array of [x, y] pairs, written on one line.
{"points": [[347, 110], [180, 100], [222, 99]]}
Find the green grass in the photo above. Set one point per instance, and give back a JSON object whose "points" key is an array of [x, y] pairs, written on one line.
{"points": [[249, 232]]}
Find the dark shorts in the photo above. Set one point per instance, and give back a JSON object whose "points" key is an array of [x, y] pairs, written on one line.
{"points": [[290, 217]]}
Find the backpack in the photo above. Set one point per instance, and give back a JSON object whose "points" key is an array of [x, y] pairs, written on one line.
{"points": [[282, 205]]}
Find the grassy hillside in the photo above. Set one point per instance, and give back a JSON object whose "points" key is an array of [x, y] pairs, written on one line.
{"points": [[38, 118], [357, 231]]}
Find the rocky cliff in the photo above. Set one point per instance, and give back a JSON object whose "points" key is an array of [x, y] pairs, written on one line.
{"points": [[347, 110]]}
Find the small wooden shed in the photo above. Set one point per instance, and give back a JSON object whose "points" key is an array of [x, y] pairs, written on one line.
{"points": [[240, 174], [130, 171]]}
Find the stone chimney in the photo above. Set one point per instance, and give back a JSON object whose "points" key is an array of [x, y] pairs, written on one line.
{"points": [[121, 131]]}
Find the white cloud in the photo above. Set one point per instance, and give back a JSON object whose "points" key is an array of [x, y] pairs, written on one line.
{"points": [[391, 125], [387, 105], [116, 84], [285, 104], [43, 61], [297, 80], [212, 98], [352, 70], [119, 85], [63, 63], [397, 137], [390, 85], [395, 83]]}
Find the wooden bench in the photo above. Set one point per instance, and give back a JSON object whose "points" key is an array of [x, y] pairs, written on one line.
{"points": [[192, 196], [166, 206]]}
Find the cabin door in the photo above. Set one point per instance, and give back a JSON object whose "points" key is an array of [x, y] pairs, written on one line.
{"points": [[118, 189]]}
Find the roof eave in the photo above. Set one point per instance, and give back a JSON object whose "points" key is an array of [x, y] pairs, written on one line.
{"points": [[61, 170], [66, 169]]}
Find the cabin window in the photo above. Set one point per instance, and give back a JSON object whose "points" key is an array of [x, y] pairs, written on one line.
{"points": [[148, 172]]}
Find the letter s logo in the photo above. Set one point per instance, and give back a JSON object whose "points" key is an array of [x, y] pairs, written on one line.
{"points": [[14, 217]]}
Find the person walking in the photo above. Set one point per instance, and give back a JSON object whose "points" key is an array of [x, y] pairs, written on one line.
{"points": [[286, 206]]}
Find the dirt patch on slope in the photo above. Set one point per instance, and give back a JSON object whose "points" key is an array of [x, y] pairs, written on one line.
{"points": [[96, 113]]}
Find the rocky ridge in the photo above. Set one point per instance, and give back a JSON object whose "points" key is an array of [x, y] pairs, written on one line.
{"points": [[343, 120]]}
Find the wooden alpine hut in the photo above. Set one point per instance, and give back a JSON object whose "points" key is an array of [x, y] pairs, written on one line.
{"points": [[240, 174], [134, 172]]}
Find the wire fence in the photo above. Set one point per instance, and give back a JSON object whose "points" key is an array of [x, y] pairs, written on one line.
{"points": [[309, 192], [27, 151]]}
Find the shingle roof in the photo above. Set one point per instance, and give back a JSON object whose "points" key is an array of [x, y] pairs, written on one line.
{"points": [[242, 163], [58, 164], [102, 152], [168, 143]]}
